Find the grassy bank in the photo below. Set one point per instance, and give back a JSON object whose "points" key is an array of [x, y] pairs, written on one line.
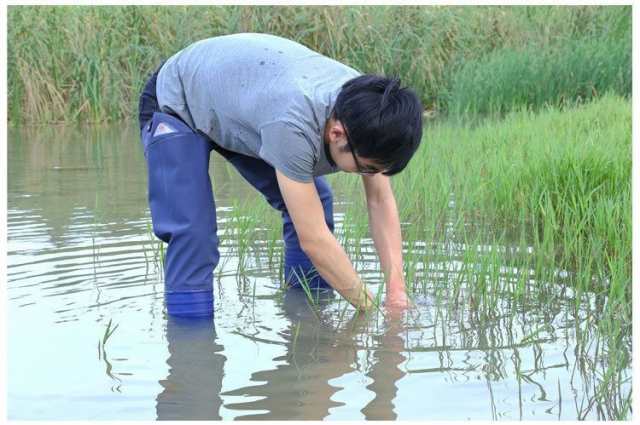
{"points": [[560, 178], [80, 63]]}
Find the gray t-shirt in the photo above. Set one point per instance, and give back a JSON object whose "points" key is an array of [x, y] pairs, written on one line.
{"points": [[258, 95]]}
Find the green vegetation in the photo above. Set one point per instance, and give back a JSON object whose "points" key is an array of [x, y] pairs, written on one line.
{"points": [[575, 72], [518, 214], [83, 63], [102, 355], [525, 212], [558, 182], [549, 190]]}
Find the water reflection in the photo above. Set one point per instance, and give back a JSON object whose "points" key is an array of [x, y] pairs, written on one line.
{"points": [[92, 169], [318, 351], [386, 372], [196, 368]]}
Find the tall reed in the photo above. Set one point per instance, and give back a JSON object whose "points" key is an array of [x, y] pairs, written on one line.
{"points": [[85, 63]]}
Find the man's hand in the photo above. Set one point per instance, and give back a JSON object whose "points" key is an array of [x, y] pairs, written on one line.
{"points": [[397, 300]]}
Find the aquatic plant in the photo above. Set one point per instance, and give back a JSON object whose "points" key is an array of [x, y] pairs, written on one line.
{"points": [[102, 355]]}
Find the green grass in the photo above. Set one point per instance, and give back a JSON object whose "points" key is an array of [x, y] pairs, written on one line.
{"points": [[576, 71], [85, 63], [102, 355], [108, 332], [559, 182]]}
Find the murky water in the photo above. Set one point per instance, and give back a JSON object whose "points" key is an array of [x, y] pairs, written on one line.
{"points": [[80, 256]]}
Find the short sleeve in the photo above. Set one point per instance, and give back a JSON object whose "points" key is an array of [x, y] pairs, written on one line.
{"points": [[288, 150]]}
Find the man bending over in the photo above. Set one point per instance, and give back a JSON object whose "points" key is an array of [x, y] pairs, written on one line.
{"points": [[284, 116]]}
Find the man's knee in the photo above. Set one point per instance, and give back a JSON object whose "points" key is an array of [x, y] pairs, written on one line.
{"points": [[201, 236]]}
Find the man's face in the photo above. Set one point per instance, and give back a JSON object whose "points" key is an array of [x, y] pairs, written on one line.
{"points": [[343, 155]]}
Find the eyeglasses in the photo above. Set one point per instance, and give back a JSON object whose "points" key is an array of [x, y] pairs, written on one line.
{"points": [[363, 171]]}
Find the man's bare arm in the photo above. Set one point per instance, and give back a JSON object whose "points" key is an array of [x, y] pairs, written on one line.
{"points": [[317, 241], [384, 224]]}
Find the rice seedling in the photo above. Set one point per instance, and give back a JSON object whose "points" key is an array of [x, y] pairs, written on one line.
{"points": [[378, 298], [294, 342], [303, 279], [102, 354], [107, 333], [157, 248]]}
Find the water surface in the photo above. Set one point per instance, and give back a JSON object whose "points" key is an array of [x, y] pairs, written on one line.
{"points": [[81, 256]]}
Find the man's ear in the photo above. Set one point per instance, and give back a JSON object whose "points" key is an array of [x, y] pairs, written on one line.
{"points": [[336, 131]]}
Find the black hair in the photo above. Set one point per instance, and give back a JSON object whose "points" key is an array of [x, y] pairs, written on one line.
{"points": [[383, 121]]}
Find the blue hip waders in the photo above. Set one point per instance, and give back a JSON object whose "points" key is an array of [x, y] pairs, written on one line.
{"points": [[183, 207]]}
